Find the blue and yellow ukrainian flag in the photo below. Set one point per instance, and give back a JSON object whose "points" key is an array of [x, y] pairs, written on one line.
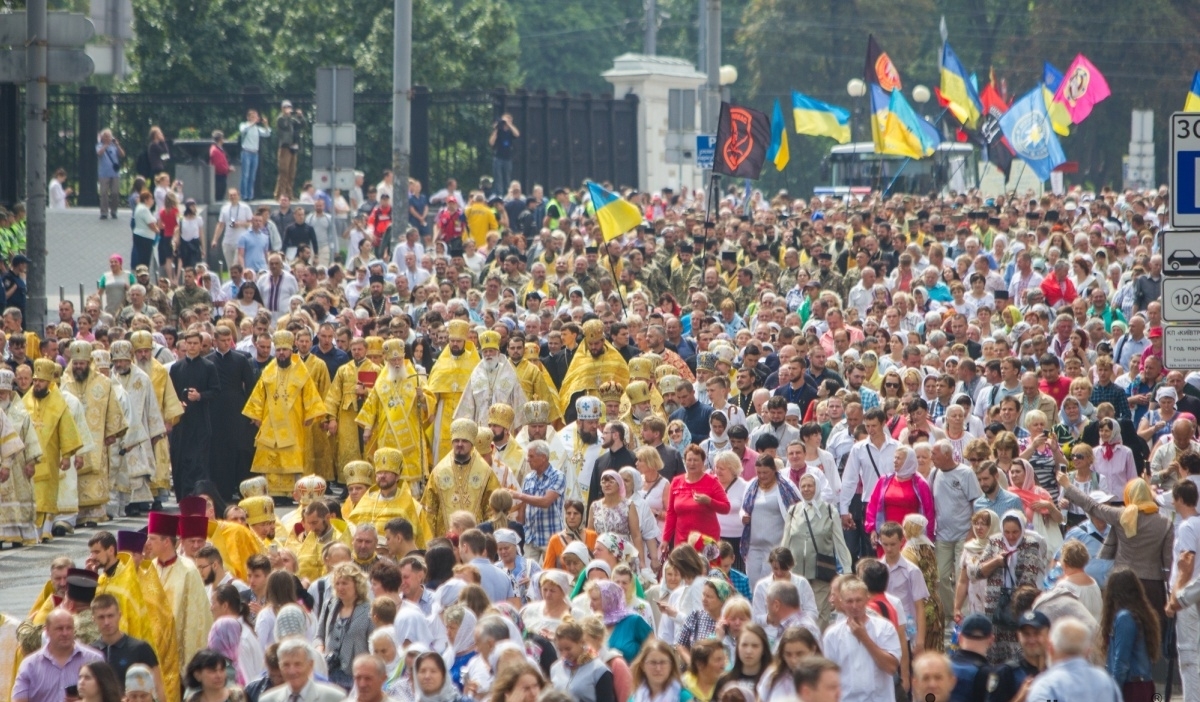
{"points": [[1192, 104], [957, 88], [1060, 119], [903, 134], [615, 215], [778, 152], [817, 118]]}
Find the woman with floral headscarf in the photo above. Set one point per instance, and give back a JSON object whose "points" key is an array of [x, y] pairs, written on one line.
{"points": [[702, 623], [900, 494], [224, 637], [1041, 512], [626, 629], [613, 513], [1013, 558], [1113, 460], [919, 550], [1071, 422], [678, 435]]}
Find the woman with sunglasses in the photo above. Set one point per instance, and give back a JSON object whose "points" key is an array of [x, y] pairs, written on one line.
{"points": [[891, 385]]}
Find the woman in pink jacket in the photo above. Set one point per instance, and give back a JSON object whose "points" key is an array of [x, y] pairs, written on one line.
{"points": [[900, 494]]}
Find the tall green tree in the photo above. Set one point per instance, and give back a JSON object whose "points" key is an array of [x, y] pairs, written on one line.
{"points": [[196, 46]]}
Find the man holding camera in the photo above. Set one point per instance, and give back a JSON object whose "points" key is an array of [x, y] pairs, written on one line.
{"points": [[108, 156], [504, 135], [288, 127]]}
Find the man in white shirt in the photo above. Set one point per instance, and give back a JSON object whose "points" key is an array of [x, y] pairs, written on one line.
{"points": [[869, 460], [867, 645], [955, 489], [325, 229], [905, 581], [277, 286], [863, 293], [1183, 573], [233, 223], [414, 275], [410, 243]]}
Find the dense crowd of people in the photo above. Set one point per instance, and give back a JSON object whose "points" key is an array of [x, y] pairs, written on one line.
{"points": [[851, 449]]}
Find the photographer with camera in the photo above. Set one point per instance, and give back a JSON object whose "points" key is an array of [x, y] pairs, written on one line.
{"points": [[251, 132], [504, 135], [345, 624], [108, 165], [288, 127]]}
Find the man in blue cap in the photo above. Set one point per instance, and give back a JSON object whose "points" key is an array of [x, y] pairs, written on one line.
{"points": [[969, 662], [1033, 632]]}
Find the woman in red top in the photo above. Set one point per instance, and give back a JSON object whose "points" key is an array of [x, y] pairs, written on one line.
{"points": [[168, 224], [693, 501]]}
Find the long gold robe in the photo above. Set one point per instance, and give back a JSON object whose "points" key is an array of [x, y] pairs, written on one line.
{"points": [[17, 513], [135, 469], [342, 400], [537, 384], [375, 509], [184, 590], [453, 487], [145, 614], [320, 453], [586, 373], [390, 414], [8, 652], [447, 381], [172, 410], [282, 401], [236, 543], [106, 421], [487, 388], [59, 439]]}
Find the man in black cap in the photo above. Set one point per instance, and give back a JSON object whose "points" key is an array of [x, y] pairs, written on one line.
{"points": [[969, 662], [826, 277], [1033, 633], [686, 274], [764, 265], [729, 267], [81, 590]]}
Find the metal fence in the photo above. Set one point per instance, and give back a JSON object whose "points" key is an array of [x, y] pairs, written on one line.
{"points": [[564, 138]]}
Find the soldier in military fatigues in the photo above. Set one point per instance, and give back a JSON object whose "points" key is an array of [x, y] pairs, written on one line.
{"points": [[825, 276], [746, 292], [763, 266], [685, 274]]}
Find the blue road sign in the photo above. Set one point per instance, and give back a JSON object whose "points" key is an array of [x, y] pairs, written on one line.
{"points": [[706, 151]]}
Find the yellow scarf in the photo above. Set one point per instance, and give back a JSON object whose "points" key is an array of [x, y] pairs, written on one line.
{"points": [[1138, 498]]}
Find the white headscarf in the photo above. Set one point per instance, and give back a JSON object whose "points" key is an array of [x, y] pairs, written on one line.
{"points": [[909, 468]]}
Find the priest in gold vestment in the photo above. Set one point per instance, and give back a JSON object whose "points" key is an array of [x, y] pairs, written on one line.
{"points": [[535, 379], [182, 584], [321, 449], [105, 420], [460, 481], [392, 497], [448, 381], [58, 436], [493, 381], [396, 412], [17, 512], [168, 404], [595, 363], [283, 404], [344, 399]]}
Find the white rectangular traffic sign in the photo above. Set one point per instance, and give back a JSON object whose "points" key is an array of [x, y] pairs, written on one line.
{"points": [[1185, 169], [1181, 253], [1181, 299], [1181, 348]]}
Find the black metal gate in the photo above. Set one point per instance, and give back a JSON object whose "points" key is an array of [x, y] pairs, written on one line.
{"points": [[564, 138]]}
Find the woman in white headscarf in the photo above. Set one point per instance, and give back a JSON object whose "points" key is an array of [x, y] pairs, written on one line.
{"points": [[813, 526], [1013, 558], [900, 494], [970, 595], [460, 628], [718, 436]]}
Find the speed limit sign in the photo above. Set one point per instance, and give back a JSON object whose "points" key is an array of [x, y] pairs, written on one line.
{"points": [[1185, 170], [1181, 299]]}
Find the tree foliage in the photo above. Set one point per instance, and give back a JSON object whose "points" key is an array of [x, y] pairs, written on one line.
{"points": [[196, 46]]}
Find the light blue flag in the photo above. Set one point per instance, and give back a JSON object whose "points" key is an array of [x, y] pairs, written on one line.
{"points": [[1027, 127]]}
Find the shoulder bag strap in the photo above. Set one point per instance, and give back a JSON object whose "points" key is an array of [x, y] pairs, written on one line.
{"points": [[872, 457]]}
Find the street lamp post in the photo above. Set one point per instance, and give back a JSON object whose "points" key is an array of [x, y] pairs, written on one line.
{"points": [[856, 88]]}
